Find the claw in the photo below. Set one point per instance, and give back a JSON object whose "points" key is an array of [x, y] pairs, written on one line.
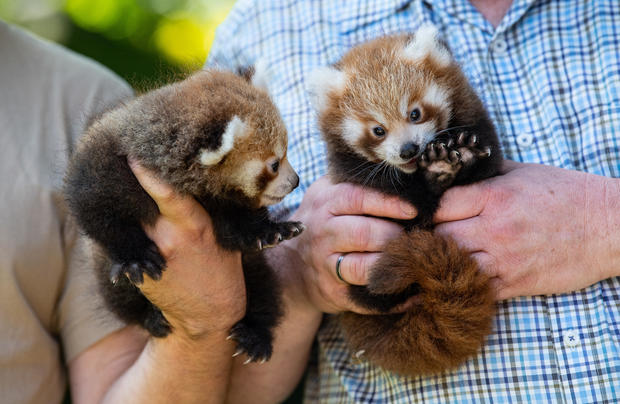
{"points": [[238, 352], [443, 152], [450, 143], [432, 155], [247, 361], [259, 244], [359, 353], [473, 140], [461, 138], [423, 162], [115, 273], [486, 152], [135, 275], [455, 157]]}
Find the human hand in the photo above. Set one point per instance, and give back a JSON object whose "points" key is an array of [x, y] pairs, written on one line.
{"points": [[534, 229], [337, 220], [202, 290]]}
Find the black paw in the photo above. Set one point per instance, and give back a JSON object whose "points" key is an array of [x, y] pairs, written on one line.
{"points": [[469, 148], [255, 343], [156, 324], [151, 263], [279, 232]]}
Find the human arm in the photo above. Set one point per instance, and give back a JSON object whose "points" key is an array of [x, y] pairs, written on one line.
{"points": [[537, 229], [201, 293]]}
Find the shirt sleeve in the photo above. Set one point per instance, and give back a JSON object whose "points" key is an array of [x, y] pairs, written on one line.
{"points": [[82, 319]]}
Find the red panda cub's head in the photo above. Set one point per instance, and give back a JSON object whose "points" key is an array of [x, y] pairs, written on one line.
{"points": [[214, 134], [386, 99]]}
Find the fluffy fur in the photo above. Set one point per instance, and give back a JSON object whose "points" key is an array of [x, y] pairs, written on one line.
{"points": [[433, 133], [214, 136]]}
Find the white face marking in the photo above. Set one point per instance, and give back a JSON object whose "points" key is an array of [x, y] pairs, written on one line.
{"points": [[245, 176], [420, 134], [425, 44], [321, 82], [436, 96], [404, 106], [261, 75], [352, 131], [378, 117], [235, 128], [279, 150]]}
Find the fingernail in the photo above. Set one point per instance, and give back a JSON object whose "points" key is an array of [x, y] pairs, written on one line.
{"points": [[408, 209]]}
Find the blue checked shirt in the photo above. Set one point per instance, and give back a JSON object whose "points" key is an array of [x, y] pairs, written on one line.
{"points": [[549, 75]]}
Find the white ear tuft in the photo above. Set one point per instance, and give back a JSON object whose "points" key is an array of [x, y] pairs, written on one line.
{"points": [[321, 82], [235, 128], [425, 43], [261, 75]]}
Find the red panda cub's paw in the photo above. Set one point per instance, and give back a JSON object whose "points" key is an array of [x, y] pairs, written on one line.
{"points": [[278, 232], [449, 318], [443, 159]]}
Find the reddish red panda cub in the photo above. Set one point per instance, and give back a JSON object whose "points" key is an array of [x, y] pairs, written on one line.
{"points": [[213, 136], [398, 115]]}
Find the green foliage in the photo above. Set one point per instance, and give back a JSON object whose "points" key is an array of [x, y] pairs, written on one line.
{"points": [[148, 42]]}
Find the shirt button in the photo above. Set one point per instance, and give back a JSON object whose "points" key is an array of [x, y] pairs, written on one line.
{"points": [[571, 339], [525, 139], [499, 46]]}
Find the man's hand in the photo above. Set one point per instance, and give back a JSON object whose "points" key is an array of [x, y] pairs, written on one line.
{"points": [[202, 289], [537, 229], [337, 222]]}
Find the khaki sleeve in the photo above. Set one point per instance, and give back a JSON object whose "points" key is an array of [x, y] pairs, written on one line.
{"points": [[82, 318]]}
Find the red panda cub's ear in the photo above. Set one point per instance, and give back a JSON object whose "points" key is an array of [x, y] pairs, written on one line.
{"points": [[261, 76], [425, 43], [257, 75], [235, 128], [322, 82]]}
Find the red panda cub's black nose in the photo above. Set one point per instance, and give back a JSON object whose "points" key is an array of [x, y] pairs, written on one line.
{"points": [[409, 150]]}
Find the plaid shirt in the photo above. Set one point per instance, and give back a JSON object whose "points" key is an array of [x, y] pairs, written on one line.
{"points": [[549, 75]]}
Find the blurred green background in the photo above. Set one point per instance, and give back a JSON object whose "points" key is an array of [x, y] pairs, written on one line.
{"points": [[147, 42]]}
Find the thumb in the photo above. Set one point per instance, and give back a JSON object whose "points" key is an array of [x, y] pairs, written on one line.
{"points": [[461, 202]]}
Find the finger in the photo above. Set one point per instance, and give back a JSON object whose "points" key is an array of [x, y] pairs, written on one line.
{"points": [[460, 203], [178, 208], [354, 200], [486, 263], [359, 233], [467, 234], [354, 267]]}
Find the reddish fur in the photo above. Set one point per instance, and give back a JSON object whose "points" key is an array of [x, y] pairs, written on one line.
{"points": [[453, 312], [447, 324]]}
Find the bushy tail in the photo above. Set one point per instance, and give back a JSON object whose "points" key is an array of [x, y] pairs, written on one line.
{"points": [[450, 317]]}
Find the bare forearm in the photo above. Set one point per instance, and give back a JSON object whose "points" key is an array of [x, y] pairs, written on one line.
{"points": [[274, 380], [177, 369], [605, 200]]}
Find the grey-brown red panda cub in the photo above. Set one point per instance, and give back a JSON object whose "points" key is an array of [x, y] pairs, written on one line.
{"points": [[398, 115], [214, 136]]}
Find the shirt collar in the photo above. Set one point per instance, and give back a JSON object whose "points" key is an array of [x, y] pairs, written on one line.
{"points": [[466, 12]]}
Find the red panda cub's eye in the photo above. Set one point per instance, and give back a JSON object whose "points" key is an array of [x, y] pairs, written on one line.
{"points": [[415, 115], [274, 166], [378, 131]]}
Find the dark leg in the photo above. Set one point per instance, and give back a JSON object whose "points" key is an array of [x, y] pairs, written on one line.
{"points": [[254, 333]]}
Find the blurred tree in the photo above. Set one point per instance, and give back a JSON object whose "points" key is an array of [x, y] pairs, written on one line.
{"points": [[148, 42]]}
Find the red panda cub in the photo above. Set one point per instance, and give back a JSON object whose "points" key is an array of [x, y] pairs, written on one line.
{"points": [[398, 115], [214, 136]]}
